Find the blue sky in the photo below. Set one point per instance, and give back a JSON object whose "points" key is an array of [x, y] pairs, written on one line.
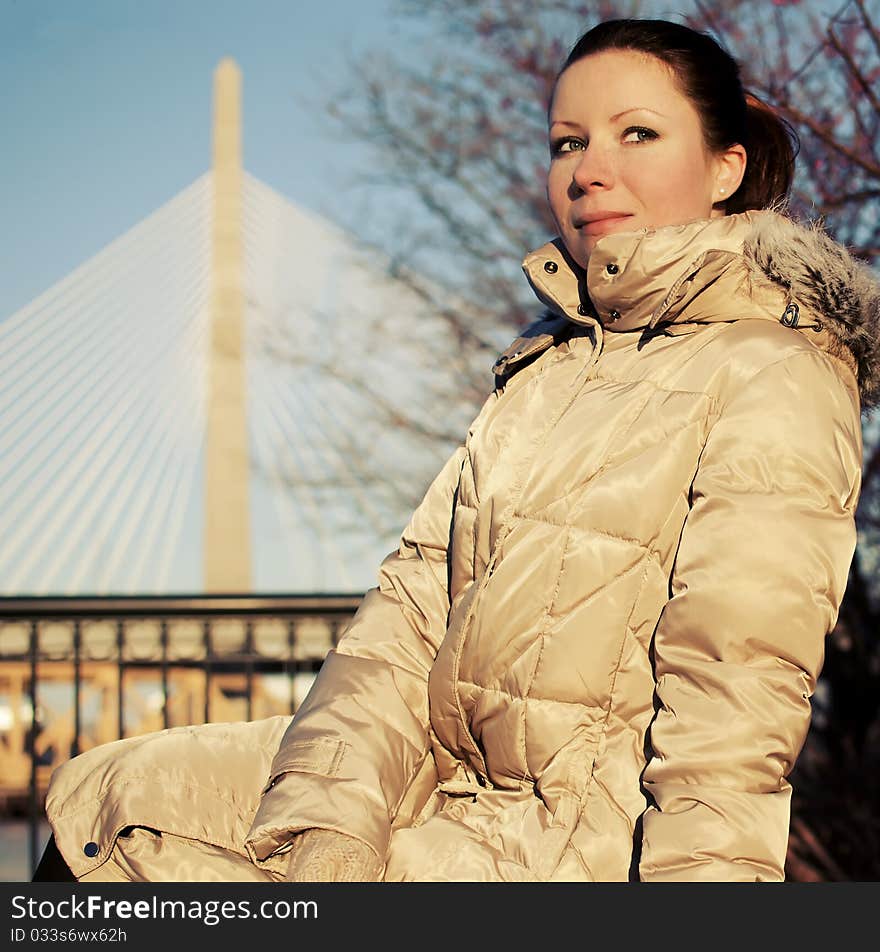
{"points": [[105, 107]]}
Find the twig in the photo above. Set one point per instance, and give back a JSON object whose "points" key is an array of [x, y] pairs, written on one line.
{"points": [[869, 25], [872, 168], [854, 69]]}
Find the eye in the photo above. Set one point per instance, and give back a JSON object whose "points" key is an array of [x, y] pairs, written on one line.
{"points": [[639, 134], [567, 144]]}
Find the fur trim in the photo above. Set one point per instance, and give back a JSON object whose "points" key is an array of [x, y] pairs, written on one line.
{"points": [[823, 275]]}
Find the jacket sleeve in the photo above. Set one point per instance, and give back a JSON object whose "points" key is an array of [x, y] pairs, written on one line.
{"points": [[757, 584], [361, 735]]}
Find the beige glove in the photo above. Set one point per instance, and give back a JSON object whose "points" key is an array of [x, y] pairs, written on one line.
{"points": [[325, 856]]}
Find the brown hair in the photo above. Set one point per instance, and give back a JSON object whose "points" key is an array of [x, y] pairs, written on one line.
{"points": [[710, 78]]}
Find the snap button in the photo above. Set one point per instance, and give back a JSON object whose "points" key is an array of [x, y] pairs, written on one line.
{"points": [[614, 315], [91, 849], [612, 268], [582, 310], [551, 267]]}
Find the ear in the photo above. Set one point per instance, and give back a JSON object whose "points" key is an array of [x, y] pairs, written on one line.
{"points": [[730, 167]]}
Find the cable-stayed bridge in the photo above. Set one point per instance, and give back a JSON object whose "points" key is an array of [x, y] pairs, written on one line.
{"points": [[205, 453], [106, 405]]}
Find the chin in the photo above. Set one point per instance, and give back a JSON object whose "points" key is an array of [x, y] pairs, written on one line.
{"points": [[580, 248], [577, 250], [583, 255]]}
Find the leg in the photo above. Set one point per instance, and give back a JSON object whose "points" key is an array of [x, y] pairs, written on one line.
{"points": [[52, 868]]}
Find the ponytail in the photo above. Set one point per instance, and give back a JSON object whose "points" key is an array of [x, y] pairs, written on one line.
{"points": [[771, 145]]}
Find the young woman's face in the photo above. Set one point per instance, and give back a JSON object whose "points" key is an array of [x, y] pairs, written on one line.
{"points": [[627, 152]]}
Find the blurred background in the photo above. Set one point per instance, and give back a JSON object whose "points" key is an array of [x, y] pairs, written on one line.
{"points": [[249, 251]]}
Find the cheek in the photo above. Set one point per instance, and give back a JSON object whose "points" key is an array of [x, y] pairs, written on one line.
{"points": [[554, 180], [557, 194], [674, 192]]}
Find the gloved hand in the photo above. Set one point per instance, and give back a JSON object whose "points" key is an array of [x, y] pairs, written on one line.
{"points": [[325, 856]]}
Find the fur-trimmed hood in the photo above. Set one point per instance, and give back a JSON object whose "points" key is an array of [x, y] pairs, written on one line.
{"points": [[759, 264]]}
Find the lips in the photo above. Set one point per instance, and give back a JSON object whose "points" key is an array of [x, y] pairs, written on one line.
{"points": [[600, 222]]}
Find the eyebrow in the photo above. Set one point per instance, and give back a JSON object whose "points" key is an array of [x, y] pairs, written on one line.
{"points": [[637, 109], [615, 117]]}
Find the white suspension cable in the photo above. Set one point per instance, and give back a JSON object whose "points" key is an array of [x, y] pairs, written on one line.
{"points": [[178, 443], [93, 319], [128, 501], [49, 466], [86, 274], [174, 534], [281, 450], [99, 452]]}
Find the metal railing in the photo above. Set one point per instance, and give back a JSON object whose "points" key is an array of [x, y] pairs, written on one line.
{"points": [[79, 671]]}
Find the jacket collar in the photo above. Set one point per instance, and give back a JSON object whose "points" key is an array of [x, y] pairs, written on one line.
{"points": [[758, 264], [645, 278]]}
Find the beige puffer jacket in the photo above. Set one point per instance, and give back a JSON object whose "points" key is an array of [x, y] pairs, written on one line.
{"points": [[593, 654]]}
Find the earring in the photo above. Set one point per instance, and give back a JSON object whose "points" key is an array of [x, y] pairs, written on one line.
{"points": [[722, 190]]}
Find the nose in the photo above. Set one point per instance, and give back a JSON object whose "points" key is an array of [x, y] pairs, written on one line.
{"points": [[593, 170]]}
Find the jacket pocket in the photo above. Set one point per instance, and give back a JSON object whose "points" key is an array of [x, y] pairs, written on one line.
{"points": [[315, 756]]}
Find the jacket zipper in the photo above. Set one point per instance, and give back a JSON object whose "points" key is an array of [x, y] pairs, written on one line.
{"points": [[582, 378]]}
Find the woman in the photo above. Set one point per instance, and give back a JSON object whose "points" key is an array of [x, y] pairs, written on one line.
{"points": [[592, 656]]}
